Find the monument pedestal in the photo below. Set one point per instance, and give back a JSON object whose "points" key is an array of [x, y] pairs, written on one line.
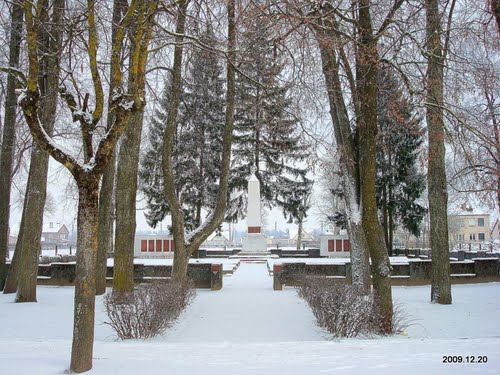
{"points": [[254, 242]]}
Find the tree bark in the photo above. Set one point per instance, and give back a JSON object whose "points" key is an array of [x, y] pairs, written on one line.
{"points": [[107, 192], [366, 76], [86, 255], [9, 136], [126, 191], [438, 195], [385, 219], [13, 274], [181, 256], [360, 264], [36, 191], [186, 245], [495, 9], [106, 223]]}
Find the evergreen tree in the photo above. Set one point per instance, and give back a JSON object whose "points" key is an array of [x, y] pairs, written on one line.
{"points": [[203, 107], [266, 137], [197, 144], [399, 183]]}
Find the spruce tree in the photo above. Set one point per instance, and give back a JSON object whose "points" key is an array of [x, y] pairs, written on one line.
{"points": [[399, 183], [267, 138], [197, 145]]}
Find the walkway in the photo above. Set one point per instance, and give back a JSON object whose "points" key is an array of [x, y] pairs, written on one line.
{"points": [[246, 310]]}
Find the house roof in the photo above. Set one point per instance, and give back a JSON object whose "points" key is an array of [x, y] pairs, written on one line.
{"points": [[52, 227]]}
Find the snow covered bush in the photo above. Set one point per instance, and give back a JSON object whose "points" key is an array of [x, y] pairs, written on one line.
{"points": [[149, 310], [340, 308]]}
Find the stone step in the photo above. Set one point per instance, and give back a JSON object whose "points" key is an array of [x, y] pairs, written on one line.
{"points": [[253, 256]]}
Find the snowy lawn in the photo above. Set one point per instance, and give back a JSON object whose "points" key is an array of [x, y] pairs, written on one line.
{"points": [[247, 328]]}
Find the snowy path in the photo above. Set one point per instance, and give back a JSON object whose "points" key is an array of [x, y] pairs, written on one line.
{"points": [[248, 329], [246, 310]]}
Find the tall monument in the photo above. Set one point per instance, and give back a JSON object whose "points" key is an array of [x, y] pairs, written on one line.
{"points": [[254, 240]]}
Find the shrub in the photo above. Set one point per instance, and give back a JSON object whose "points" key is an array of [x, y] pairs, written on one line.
{"points": [[342, 310], [149, 310]]}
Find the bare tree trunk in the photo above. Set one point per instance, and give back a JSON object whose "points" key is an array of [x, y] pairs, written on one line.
{"points": [[348, 159], [126, 191], [107, 192], [13, 274], [83, 325], [36, 191], [186, 245], [106, 222], [385, 219], [391, 232], [181, 256], [9, 136], [366, 76], [495, 9], [438, 195]]}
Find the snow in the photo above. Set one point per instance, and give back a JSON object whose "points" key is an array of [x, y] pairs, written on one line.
{"points": [[247, 328], [227, 264], [127, 106], [393, 260]]}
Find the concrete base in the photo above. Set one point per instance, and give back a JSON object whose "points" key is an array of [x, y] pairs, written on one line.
{"points": [[254, 242]]}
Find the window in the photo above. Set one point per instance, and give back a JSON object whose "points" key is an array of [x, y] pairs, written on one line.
{"points": [[480, 222], [338, 245], [480, 236], [472, 236], [472, 222], [331, 245]]}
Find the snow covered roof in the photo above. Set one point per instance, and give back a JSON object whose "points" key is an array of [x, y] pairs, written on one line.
{"points": [[52, 227], [466, 209]]}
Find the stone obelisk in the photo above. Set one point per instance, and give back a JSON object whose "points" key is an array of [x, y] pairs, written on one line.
{"points": [[254, 240]]}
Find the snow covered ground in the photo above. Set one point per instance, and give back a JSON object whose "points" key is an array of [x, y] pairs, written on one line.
{"points": [[393, 260], [227, 264], [247, 328]]}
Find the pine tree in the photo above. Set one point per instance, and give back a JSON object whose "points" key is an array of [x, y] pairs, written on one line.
{"points": [[267, 140], [203, 105], [197, 146], [399, 183], [150, 172]]}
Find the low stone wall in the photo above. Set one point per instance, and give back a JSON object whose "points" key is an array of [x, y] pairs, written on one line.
{"points": [[309, 253], [207, 253], [203, 275], [61, 258], [411, 273], [454, 255]]}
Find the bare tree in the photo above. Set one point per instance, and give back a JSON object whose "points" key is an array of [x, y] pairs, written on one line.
{"points": [[436, 173], [126, 190], [50, 45], [185, 245], [87, 173], [106, 194], [358, 150], [9, 134]]}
